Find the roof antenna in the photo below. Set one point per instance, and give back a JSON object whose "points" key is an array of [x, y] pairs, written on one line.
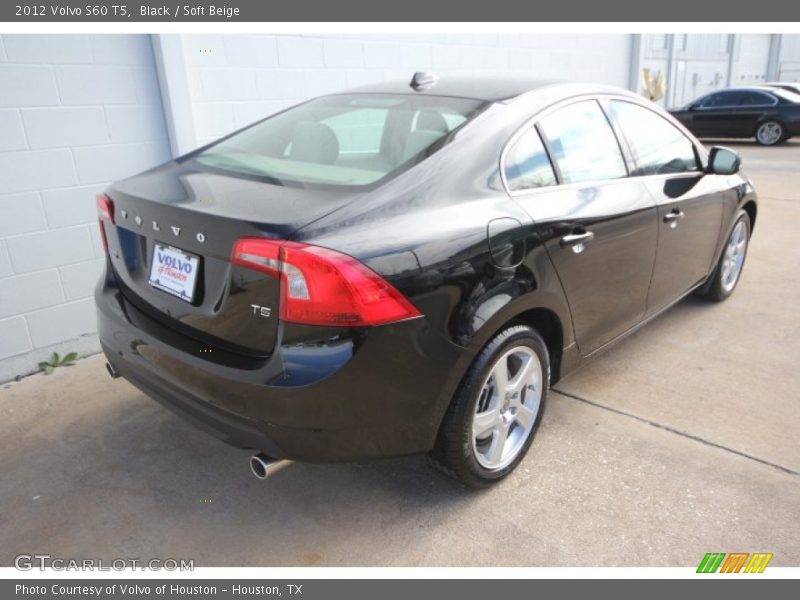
{"points": [[423, 81]]}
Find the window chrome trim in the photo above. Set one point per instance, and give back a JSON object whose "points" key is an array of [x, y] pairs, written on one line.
{"points": [[533, 121], [717, 107]]}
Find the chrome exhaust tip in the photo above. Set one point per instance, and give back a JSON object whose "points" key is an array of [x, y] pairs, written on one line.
{"points": [[264, 466], [112, 371]]}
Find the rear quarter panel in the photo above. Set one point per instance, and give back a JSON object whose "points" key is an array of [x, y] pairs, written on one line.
{"points": [[428, 233]]}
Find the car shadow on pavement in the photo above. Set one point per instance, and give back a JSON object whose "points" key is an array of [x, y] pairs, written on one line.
{"points": [[118, 483]]}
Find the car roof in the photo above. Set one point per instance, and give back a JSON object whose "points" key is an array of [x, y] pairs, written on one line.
{"points": [[488, 89], [775, 90], [745, 88]]}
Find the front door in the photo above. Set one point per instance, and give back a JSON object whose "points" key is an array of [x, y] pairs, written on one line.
{"points": [[689, 220], [689, 203]]}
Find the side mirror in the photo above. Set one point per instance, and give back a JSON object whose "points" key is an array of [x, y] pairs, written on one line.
{"points": [[723, 161]]}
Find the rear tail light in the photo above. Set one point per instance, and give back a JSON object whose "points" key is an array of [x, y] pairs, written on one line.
{"points": [[105, 212], [324, 287]]}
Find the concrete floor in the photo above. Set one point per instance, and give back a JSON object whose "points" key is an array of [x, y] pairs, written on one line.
{"points": [[680, 441]]}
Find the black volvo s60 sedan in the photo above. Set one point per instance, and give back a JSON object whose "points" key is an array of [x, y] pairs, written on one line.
{"points": [[407, 268], [767, 113]]}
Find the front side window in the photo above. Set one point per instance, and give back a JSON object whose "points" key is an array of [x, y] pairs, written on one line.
{"points": [[721, 100], [656, 144], [583, 144], [526, 165], [342, 140]]}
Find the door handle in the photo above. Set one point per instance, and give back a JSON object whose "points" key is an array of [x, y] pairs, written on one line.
{"points": [[577, 240], [673, 216]]}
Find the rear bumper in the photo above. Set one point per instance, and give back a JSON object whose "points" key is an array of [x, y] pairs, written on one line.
{"points": [[384, 389]]}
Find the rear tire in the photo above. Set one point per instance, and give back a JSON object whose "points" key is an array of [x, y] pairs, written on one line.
{"points": [[729, 268], [496, 411], [770, 133]]}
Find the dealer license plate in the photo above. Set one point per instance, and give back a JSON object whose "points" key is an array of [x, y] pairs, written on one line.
{"points": [[174, 271]]}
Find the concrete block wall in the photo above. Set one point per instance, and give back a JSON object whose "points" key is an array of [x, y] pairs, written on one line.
{"points": [[789, 58], [751, 59], [76, 112], [234, 80]]}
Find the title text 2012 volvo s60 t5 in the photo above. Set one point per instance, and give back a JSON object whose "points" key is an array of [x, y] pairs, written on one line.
{"points": [[407, 268]]}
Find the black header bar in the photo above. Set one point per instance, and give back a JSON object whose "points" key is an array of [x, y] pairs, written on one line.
{"points": [[130, 11]]}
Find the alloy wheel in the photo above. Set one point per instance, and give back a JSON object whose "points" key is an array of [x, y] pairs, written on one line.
{"points": [[769, 133], [733, 259], [507, 408]]}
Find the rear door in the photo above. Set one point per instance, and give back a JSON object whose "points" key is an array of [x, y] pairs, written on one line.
{"points": [[598, 225], [751, 111], [689, 204]]}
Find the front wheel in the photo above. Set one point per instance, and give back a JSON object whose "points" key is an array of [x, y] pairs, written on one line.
{"points": [[770, 133], [729, 268], [493, 417]]}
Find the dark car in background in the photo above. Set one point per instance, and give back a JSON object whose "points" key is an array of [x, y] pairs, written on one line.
{"points": [[771, 115], [406, 269]]}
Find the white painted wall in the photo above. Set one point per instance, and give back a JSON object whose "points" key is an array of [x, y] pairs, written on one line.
{"points": [[703, 63], [234, 80], [789, 59], [76, 112], [751, 59], [698, 64]]}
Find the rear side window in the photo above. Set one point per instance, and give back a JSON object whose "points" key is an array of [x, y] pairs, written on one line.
{"points": [[526, 164], [757, 99], [583, 144], [657, 145]]}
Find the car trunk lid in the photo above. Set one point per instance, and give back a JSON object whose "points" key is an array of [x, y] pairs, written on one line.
{"points": [[171, 242]]}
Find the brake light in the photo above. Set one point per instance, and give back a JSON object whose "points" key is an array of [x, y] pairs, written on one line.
{"points": [[105, 212], [105, 208], [324, 287]]}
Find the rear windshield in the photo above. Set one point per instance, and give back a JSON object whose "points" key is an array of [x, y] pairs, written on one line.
{"points": [[342, 140]]}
